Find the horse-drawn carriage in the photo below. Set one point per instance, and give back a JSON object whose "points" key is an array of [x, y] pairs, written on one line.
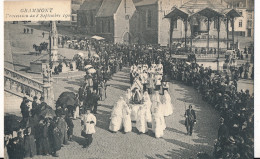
{"points": [[43, 47]]}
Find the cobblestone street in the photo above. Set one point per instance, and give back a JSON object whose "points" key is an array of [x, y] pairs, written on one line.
{"points": [[175, 143]]}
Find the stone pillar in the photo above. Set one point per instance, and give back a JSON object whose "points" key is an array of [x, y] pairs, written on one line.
{"points": [[48, 93], [53, 44], [171, 31], [186, 28], [233, 29], [218, 28]]}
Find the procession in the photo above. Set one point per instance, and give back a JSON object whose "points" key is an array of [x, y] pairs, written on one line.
{"points": [[146, 103], [118, 83]]}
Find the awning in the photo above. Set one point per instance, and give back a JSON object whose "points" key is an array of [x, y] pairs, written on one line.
{"points": [[175, 13], [97, 37]]}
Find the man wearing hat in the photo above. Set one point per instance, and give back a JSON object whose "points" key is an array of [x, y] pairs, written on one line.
{"points": [[222, 132], [190, 119], [25, 108], [88, 122]]}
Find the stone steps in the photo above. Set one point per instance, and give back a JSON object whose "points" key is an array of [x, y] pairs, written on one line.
{"points": [[12, 103]]}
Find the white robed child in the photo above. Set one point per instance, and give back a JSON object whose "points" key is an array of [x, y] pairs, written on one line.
{"points": [[127, 124], [116, 116], [128, 96], [157, 124], [167, 104], [147, 104], [141, 123], [156, 103]]}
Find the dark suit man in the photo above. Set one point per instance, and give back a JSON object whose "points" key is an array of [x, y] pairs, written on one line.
{"points": [[190, 120], [222, 132]]}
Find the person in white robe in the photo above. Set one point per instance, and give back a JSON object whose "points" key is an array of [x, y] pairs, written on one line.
{"points": [[167, 104], [157, 123], [116, 117], [147, 104], [141, 123], [137, 99], [128, 96], [127, 124], [156, 103]]}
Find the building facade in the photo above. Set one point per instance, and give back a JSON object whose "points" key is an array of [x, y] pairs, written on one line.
{"points": [[86, 16], [154, 28], [244, 25], [107, 18]]}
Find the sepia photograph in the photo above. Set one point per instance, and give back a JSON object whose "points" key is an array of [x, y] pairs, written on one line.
{"points": [[129, 79]]}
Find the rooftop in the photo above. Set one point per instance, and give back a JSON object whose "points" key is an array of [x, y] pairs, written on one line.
{"points": [[91, 5], [108, 8], [145, 2]]}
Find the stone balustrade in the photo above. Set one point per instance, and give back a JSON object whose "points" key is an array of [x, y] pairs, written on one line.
{"points": [[22, 86]]}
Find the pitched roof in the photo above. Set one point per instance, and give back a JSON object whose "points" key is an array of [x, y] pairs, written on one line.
{"points": [[145, 2], [74, 8], [91, 5], [108, 8]]}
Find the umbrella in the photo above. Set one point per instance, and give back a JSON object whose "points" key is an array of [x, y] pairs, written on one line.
{"points": [[88, 66], [48, 113], [12, 123], [80, 54], [92, 70], [65, 99], [97, 37], [96, 55]]}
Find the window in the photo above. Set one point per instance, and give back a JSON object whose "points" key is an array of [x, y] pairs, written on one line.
{"points": [[241, 13], [240, 24], [250, 16], [149, 19], [249, 24], [91, 19], [175, 25]]}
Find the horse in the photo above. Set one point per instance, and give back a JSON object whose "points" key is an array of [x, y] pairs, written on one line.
{"points": [[39, 49]]}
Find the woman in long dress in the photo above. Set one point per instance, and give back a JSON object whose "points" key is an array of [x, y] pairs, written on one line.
{"points": [[147, 104], [127, 124], [167, 104], [141, 123], [116, 117]]}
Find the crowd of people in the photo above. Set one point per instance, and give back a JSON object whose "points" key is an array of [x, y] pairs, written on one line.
{"points": [[235, 106], [42, 131], [137, 106], [142, 102], [27, 30]]}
